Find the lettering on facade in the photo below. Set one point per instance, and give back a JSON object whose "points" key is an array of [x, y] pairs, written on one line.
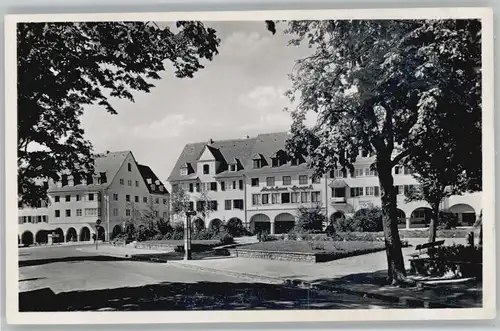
{"points": [[274, 189], [302, 188]]}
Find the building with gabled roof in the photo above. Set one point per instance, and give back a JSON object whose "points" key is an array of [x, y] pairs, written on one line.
{"points": [[258, 175], [119, 189]]}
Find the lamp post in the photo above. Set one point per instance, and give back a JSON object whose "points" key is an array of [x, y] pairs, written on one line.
{"points": [[187, 235], [97, 226]]}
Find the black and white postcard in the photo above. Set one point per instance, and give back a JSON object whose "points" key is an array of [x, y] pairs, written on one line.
{"points": [[333, 165]]}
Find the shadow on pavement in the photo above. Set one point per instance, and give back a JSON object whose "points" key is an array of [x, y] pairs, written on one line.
{"points": [[190, 296], [26, 263], [463, 294]]}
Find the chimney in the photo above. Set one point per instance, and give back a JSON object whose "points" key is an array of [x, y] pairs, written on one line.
{"points": [[210, 141], [107, 152]]}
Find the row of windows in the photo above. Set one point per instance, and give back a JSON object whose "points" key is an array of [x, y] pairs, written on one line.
{"points": [[212, 186], [33, 219], [129, 182], [275, 162], [136, 199], [368, 172], [280, 198], [371, 190], [88, 212], [137, 213], [78, 197], [214, 205], [286, 180]]}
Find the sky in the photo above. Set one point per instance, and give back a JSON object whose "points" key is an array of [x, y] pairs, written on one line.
{"points": [[239, 93]]}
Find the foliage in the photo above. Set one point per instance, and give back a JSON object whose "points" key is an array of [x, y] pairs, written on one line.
{"points": [[310, 219], [65, 66], [375, 85], [368, 219], [265, 236], [447, 220], [235, 228]]}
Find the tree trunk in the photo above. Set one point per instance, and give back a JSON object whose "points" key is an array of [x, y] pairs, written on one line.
{"points": [[395, 263], [434, 222]]}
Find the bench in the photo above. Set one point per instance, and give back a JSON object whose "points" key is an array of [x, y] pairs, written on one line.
{"points": [[426, 247]]}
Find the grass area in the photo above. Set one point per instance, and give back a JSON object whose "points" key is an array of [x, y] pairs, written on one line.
{"points": [[181, 242], [348, 247]]}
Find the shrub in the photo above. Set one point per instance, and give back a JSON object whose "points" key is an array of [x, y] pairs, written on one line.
{"points": [[346, 224], [265, 236], [227, 239], [310, 219], [368, 219], [447, 220], [330, 230], [292, 236], [235, 228]]}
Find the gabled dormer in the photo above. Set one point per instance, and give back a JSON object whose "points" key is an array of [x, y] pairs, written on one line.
{"points": [[210, 161], [258, 161], [279, 158], [234, 165], [186, 169]]}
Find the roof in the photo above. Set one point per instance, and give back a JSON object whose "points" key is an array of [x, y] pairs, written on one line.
{"points": [[225, 151], [268, 145], [109, 163], [147, 173]]}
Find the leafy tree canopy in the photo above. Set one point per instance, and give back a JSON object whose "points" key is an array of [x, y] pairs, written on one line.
{"points": [[64, 66]]}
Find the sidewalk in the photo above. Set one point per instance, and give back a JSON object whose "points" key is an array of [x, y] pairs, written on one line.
{"points": [[362, 275]]}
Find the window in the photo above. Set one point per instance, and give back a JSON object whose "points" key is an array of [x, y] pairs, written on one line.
{"points": [[68, 198], [222, 186], [122, 181], [157, 200], [356, 191], [302, 179], [197, 187], [136, 198], [91, 212], [91, 196], [145, 199], [78, 212], [227, 204], [407, 171], [255, 182], [234, 185], [214, 205], [315, 179], [359, 172], [265, 199], [191, 205], [206, 169], [136, 183], [295, 197], [115, 196], [285, 197], [68, 212], [129, 166], [184, 171], [315, 196], [304, 197], [78, 197], [275, 198], [256, 199], [127, 198], [257, 164], [338, 173], [397, 170], [287, 180], [232, 167], [370, 172], [238, 204], [164, 201], [129, 182], [56, 198], [127, 212], [400, 189], [191, 187], [274, 162], [156, 213], [57, 213], [270, 181], [213, 186], [241, 184], [295, 161]]}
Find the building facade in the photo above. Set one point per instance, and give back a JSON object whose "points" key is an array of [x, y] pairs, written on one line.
{"points": [[268, 187], [118, 190]]}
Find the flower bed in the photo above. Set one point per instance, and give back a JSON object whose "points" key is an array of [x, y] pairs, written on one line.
{"points": [[306, 251]]}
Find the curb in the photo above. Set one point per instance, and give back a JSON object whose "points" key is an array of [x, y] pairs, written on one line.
{"points": [[404, 300]]}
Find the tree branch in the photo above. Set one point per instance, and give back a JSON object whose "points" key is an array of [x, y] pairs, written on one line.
{"points": [[400, 156]]}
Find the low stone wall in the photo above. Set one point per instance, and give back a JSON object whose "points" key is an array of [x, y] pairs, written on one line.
{"points": [[270, 255]]}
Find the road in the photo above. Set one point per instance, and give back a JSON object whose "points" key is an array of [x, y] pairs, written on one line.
{"points": [[84, 280]]}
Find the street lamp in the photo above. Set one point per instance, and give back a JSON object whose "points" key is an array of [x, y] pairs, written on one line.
{"points": [[97, 226], [187, 235]]}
